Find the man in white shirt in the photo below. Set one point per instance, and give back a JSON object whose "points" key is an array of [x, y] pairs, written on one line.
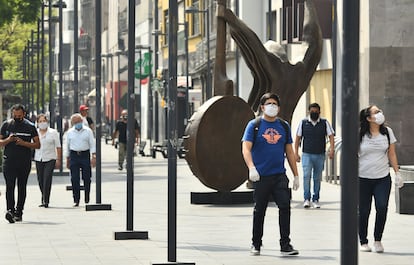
{"points": [[80, 153]]}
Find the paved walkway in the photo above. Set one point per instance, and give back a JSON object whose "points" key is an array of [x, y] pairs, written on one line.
{"points": [[206, 234]]}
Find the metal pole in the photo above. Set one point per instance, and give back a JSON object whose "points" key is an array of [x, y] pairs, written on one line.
{"points": [[42, 74], [350, 101], [51, 106], [269, 20], [172, 130], [112, 88], [38, 67], [209, 88], [139, 93], [131, 118], [60, 69], [156, 50], [186, 73], [119, 86], [75, 57], [237, 92], [150, 100], [32, 73], [24, 76], [98, 63]]}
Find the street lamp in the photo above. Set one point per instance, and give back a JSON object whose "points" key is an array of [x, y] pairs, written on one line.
{"points": [[110, 56], [140, 47], [118, 53], [193, 10]]}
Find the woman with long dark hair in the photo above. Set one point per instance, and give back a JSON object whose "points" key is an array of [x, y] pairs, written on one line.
{"points": [[376, 154]]}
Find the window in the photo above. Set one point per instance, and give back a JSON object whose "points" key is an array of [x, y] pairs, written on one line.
{"points": [[195, 29]]}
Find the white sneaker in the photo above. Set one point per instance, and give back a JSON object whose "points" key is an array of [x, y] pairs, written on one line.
{"points": [[378, 247], [316, 204], [306, 204], [365, 248], [254, 251]]}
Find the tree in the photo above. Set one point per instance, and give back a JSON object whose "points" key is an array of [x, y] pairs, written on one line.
{"points": [[25, 11]]}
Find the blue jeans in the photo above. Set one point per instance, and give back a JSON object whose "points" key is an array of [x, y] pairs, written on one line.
{"points": [[312, 165], [379, 189], [278, 187]]}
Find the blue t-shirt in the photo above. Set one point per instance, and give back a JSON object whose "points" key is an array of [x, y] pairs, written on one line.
{"points": [[268, 151]]}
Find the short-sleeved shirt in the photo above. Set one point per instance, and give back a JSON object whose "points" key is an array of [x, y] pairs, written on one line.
{"points": [[81, 140], [48, 144], [268, 151], [121, 127], [26, 131], [373, 155]]}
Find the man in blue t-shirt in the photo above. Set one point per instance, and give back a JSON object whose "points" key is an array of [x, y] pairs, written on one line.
{"points": [[264, 153]]}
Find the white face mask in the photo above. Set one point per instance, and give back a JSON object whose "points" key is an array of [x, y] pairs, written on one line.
{"points": [[42, 125], [271, 110], [379, 118]]}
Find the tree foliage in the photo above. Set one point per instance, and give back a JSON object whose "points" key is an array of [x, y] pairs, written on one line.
{"points": [[25, 11]]}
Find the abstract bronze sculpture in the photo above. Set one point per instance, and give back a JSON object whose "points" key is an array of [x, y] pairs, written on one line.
{"points": [[214, 132]]}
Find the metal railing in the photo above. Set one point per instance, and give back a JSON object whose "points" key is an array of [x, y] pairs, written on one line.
{"points": [[332, 167]]}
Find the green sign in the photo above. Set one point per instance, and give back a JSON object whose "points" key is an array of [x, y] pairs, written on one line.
{"points": [[143, 66]]}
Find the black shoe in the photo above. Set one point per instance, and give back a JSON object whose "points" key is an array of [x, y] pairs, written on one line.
{"points": [[10, 217], [18, 217], [119, 167], [76, 204], [288, 250], [42, 205], [46, 205]]}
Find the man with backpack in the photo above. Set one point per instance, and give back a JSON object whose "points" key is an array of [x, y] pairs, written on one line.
{"points": [[264, 146], [311, 134]]}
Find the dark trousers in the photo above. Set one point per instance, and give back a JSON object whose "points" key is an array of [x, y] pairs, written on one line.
{"points": [[16, 171], [379, 189], [277, 187], [80, 162], [44, 176]]}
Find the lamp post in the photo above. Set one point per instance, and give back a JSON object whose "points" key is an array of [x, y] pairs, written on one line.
{"points": [[60, 4], [110, 56], [42, 74], [75, 58], [149, 96], [193, 10], [156, 33], [118, 54], [51, 106]]}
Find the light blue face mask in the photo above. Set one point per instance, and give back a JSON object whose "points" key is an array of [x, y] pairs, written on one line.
{"points": [[78, 126]]}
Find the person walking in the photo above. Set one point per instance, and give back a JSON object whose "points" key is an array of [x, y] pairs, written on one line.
{"points": [[87, 121], [80, 153], [376, 154], [311, 134], [18, 136], [121, 133], [265, 142], [47, 158]]}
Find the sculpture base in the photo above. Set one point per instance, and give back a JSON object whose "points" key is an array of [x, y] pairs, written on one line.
{"points": [[404, 198], [63, 173], [176, 263], [98, 207], [222, 197], [130, 235], [69, 187]]}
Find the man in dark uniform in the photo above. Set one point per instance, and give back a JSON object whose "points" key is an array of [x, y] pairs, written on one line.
{"points": [[18, 136], [121, 133]]}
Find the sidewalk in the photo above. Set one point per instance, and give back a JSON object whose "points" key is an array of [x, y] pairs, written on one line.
{"points": [[206, 234]]}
